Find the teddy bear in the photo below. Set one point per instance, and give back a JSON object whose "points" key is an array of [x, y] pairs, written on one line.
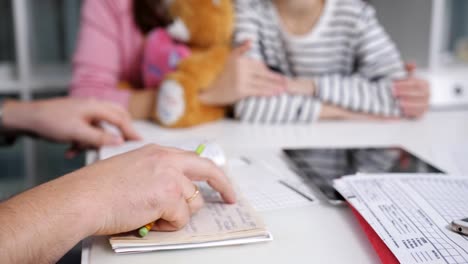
{"points": [[185, 58]]}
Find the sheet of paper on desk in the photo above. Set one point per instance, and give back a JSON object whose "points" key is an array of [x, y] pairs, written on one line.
{"points": [[412, 213], [268, 186], [453, 158], [216, 224]]}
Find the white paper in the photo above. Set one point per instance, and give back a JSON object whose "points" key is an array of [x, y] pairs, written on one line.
{"points": [[412, 212], [269, 188], [229, 242], [453, 158]]}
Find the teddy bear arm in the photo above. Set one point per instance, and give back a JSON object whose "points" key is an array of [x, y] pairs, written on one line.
{"points": [[204, 66], [177, 104]]}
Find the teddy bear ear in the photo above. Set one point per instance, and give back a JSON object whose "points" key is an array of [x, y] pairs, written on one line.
{"points": [[216, 2]]}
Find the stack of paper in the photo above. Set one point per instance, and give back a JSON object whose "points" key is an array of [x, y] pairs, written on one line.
{"points": [[412, 212], [216, 224]]}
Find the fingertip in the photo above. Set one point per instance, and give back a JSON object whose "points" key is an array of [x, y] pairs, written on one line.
{"points": [[230, 198], [229, 195], [133, 135]]}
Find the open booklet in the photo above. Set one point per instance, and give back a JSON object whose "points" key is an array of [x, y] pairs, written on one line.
{"points": [[216, 224], [412, 213]]}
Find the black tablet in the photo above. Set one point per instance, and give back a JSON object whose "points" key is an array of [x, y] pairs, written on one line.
{"points": [[320, 166]]}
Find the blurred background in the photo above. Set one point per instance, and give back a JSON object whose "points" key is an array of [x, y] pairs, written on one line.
{"points": [[37, 40]]}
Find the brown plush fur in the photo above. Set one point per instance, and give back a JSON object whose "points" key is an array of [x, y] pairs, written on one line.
{"points": [[210, 26]]}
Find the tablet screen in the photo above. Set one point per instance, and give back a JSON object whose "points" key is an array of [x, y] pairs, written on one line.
{"points": [[320, 166]]}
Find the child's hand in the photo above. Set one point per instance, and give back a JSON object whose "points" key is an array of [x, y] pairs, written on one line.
{"points": [[300, 86], [413, 93], [242, 77]]}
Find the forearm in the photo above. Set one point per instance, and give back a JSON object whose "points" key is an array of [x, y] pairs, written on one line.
{"points": [[358, 94], [141, 104], [283, 108], [331, 112], [215, 94], [42, 224], [19, 116]]}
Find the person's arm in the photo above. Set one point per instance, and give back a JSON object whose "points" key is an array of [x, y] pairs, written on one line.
{"points": [[40, 225], [381, 88], [97, 62], [332, 112], [69, 120], [379, 64], [413, 94], [7, 137], [271, 108], [244, 74]]}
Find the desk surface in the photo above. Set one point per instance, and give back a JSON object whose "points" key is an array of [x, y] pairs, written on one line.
{"points": [[318, 233]]}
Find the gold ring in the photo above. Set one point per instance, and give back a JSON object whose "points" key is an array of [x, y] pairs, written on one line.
{"points": [[194, 195]]}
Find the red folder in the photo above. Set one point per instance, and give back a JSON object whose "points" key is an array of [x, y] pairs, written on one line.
{"points": [[385, 255]]}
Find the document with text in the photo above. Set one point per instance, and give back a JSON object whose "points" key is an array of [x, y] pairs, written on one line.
{"points": [[412, 213], [216, 224]]}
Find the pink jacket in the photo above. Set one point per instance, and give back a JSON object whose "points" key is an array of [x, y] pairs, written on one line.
{"points": [[109, 51]]}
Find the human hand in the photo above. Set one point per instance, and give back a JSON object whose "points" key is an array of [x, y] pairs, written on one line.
{"points": [[242, 77], [413, 94], [124, 200], [300, 86], [71, 120], [116, 195]]}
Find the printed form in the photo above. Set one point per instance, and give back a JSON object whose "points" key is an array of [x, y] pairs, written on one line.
{"points": [[412, 213]]}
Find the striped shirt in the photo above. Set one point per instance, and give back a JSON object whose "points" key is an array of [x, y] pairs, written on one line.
{"points": [[348, 54]]}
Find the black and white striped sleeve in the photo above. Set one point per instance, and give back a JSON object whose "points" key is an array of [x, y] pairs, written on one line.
{"points": [[369, 89], [279, 109], [247, 26]]}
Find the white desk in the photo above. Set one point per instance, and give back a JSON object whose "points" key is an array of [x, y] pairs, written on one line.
{"points": [[316, 234]]}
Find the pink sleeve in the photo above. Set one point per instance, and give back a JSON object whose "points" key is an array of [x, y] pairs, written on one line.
{"points": [[97, 60]]}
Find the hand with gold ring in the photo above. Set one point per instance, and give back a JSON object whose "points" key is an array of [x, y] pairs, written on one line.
{"points": [[194, 169], [111, 196], [150, 184], [194, 195]]}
